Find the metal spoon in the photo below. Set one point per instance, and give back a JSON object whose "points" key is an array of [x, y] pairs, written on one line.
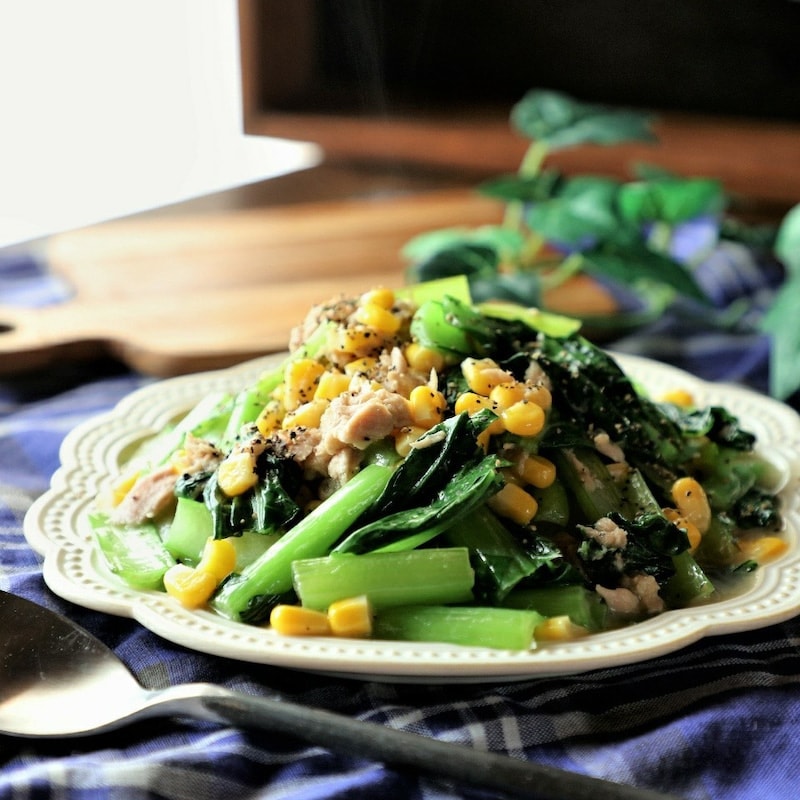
{"points": [[57, 680]]}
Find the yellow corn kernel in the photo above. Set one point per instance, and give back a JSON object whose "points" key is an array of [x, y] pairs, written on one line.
{"points": [[121, 488], [351, 617], [427, 406], [559, 629], [378, 319], [692, 532], [379, 296], [405, 438], [331, 384], [483, 374], [472, 403], [361, 366], [300, 379], [539, 394], [678, 397], [270, 418], [190, 587], [514, 503], [219, 558], [506, 394], [307, 415], [423, 359], [690, 499], [237, 473], [763, 549], [357, 340], [298, 621], [536, 470], [524, 418]]}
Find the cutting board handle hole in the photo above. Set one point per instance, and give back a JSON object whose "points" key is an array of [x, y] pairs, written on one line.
{"points": [[6, 328]]}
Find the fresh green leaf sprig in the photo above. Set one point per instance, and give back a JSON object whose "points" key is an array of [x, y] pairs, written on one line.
{"points": [[628, 235], [780, 322]]}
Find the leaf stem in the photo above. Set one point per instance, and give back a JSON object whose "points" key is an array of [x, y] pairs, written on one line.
{"points": [[532, 160], [568, 268], [529, 166]]}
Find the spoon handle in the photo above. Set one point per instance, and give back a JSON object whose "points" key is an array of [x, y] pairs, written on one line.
{"points": [[511, 776]]}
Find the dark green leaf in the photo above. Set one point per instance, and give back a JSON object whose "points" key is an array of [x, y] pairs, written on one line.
{"points": [[633, 261], [499, 558], [524, 189], [652, 542], [781, 323], [464, 491], [715, 423], [594, 393], [787, 243], [426, 470], [458, 259], [506, 242], [584, 209], [758, 509], [516, 287], [427, 244], [670, 200], [560, 121]]}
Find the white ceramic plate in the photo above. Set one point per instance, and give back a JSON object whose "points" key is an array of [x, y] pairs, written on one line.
{"points": [[91, 454]]}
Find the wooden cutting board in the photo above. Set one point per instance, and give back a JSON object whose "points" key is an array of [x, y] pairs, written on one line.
{"points": [[180, 294]]}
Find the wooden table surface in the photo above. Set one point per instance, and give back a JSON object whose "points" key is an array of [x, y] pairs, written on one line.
{"points": [[206, 286]]}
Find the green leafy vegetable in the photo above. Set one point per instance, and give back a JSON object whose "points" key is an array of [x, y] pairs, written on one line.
{"points": [[625, 234], [416, 577], [270, 576], [560, 121], [134, 553], [466, 490], [471, 626], [780, 321]]}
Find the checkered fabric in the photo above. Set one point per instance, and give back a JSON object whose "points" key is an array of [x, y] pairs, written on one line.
{"points": [[718, 720]]}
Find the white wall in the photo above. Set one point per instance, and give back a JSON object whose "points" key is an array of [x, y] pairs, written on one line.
{"points": [[109, 107]]}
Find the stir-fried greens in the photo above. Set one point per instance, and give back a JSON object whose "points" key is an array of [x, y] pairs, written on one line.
{"points": [[419, 467]]}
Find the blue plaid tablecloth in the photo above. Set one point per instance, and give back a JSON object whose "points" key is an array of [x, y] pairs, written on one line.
{"points": [[718, 720]]}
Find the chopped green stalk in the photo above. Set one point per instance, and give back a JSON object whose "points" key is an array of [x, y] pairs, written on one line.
{"points": [[420, 293], [212, 426], [718, 548], [248, 405], [135, 554], [547, 322], [312, 537], [470, 626], [192, 525], [588, 479], [431, 328], [435, 576], [689, 584], [251, 545], [637, 497], [582, 606], [554, 506]]}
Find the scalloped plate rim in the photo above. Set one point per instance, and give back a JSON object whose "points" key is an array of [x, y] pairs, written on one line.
{"points": [[72, 568]]}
